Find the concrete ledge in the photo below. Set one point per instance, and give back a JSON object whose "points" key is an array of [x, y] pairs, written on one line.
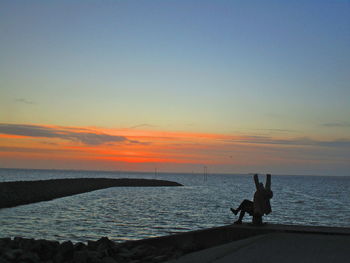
{"points": [[324, 230], [214, 253], [276, 247], [192, 241]]}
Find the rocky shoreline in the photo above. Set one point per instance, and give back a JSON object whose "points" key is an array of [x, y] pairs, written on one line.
{"points": [[101, 251], [151, 250], [26, 192]]}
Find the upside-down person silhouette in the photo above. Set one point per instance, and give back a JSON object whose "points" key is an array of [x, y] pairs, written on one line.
{"points": [[261, 202]]}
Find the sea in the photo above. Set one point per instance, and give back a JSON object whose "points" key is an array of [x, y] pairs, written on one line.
{"points": [[130, 213]]}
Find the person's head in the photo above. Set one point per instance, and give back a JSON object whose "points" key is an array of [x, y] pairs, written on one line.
{"points": [[261, 186]]}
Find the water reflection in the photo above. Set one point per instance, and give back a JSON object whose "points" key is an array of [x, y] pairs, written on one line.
{"points": [[134, 213]]}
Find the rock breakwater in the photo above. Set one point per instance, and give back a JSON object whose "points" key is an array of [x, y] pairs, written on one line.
{"points": [[101, 251], [26, 192]]}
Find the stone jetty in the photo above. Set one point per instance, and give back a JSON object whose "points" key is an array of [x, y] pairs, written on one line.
{"points": [[26, 192], [100, 251]]}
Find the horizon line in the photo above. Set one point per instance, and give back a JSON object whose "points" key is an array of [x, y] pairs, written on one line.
{"points": [[165, 172]]}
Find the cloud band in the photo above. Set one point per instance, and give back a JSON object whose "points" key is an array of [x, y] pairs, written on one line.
{"points": [[85, 136]]}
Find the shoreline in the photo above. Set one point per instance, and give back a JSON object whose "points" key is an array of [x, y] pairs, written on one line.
{"points": [[26, 192], [192, 246]]}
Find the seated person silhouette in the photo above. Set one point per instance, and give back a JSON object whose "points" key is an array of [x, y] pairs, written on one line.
{"points": [[260, 205]]}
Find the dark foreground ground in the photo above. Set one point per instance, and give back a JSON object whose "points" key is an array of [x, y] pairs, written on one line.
{"points": [[26, 192], [232, 243]]}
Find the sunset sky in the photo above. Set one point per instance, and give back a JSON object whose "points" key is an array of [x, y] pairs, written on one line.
{"points": [[237, 86]]}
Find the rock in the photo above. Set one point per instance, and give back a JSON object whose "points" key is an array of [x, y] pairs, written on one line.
{"points": [[17, 242], [45, 249], [104, 243], [81, 256], [148, 258], [160, 258], [92, 245], [65, 252], [94, 260], [100, 251], [2, 260], [125, 253], [23, 243], [142, 250], [51, 244], [105, 240], [58, 258], [106, 248], [93, 257], [5, 242], [80, 246], [66, 248], [108, 260], [29, 257], [13, 254]]}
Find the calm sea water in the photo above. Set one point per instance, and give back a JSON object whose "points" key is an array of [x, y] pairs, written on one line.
{"points": [[124, 213]]}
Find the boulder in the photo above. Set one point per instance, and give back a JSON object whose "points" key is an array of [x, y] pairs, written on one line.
{"points": [[2, 260], [13, 254], [29, 257], [108, 260], [106, 247], [81, 256], [65, 252], [93, 257], [5, 242], [80, 246], [92, 245]]}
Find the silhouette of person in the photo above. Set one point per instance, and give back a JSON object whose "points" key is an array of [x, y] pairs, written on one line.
{"points": [[261, 202]]}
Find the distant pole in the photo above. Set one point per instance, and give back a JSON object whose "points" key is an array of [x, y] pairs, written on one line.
{"points": [[205, 173], [155, 172]]}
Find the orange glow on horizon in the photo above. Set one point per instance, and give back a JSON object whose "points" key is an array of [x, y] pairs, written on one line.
{"points": [[133, 147]]}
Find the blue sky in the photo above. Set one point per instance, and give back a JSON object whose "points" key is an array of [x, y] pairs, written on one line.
{"points": [[255, 68]]}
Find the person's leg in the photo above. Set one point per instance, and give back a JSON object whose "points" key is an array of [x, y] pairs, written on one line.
{"points": [[245, 205], [241, 215]]}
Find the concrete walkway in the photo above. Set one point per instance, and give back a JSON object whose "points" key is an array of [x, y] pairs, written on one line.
{"points": [[276, 247]]}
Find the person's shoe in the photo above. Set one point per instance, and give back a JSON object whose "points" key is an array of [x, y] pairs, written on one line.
{"points": [[234, 211], [238, 222]]}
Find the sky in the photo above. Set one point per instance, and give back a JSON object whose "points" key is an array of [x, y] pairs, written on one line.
{"points": [[236, 86]]}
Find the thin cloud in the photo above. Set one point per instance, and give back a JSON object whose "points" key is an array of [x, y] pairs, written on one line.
{"points": [[337, 124], [276, 130], [88, 137], [304, 141], [33, 150], [25, 101], [143, 125]]}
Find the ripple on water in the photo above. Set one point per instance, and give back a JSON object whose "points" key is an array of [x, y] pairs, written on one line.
{"points": [[134, 213]]}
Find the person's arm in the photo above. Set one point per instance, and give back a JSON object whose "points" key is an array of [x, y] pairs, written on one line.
{"points": [[268, 182], [256, 181]]}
